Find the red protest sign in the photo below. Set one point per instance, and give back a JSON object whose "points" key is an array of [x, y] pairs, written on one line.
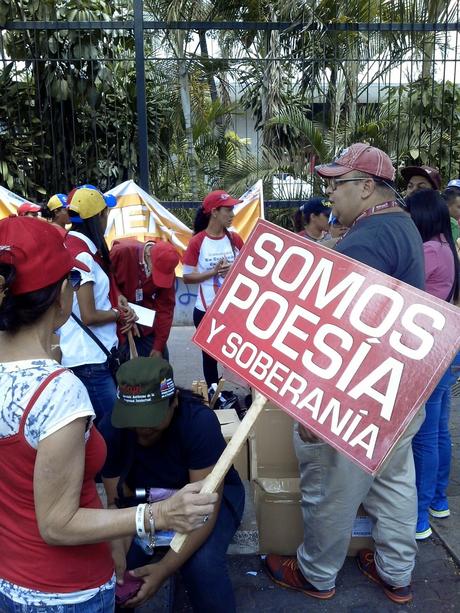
{"points": [[349, 352]]}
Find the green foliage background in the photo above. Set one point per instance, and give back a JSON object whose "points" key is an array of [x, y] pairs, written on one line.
{"points": [[68, 105]]}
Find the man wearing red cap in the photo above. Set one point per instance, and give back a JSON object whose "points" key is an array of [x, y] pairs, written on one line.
{"points": [[145, 275], [360, 186]]}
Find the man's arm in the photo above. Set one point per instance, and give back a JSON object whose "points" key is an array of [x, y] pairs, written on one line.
{"points": [[154, 575]]}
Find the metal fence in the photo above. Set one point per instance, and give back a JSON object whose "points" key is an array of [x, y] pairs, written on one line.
{"points": [[183, 106]]}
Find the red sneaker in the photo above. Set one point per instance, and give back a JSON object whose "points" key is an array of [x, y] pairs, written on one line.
{"points": [[366, 564], [284, 571]]}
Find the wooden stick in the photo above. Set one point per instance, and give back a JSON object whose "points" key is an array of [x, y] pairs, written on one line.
{"points": [[215, 478], [132, 346], [215, 396]]}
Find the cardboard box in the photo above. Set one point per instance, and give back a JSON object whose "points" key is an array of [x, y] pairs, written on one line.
{"points": [[361, 535], [279, 518], [278, 514], [229, 422], [271, 449]]}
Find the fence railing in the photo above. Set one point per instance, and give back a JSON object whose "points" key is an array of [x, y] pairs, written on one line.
{"points": [[183, 106]]}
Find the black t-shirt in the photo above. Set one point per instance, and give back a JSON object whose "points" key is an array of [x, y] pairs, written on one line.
{"points": [[192, 441], [389, 243]]}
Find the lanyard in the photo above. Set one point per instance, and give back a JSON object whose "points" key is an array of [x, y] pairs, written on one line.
{"points": [[390, 204]]}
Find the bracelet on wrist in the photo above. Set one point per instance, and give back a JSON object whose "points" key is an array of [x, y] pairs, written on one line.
{"points": [[117, 314], [140, 528], [151, 519]]}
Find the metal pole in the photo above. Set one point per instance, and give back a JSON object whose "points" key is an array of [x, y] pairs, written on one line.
{"points": [[140, 95]]}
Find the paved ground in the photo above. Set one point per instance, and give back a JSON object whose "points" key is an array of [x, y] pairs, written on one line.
{"points": [[436, 579]]}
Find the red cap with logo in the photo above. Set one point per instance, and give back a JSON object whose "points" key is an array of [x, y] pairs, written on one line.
{"points": [[431, 174], [218, 198], [37, 251], [362, 157], [28, 207], [164, 261]]}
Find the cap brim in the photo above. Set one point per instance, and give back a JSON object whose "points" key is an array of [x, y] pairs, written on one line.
{"points": [[110, 200], [332, 170], [145, 415], [229, 203]]}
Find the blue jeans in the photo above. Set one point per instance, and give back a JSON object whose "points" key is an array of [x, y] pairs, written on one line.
{"points": [[103, 602], [101, 389], [432, 452], [205, 574]]}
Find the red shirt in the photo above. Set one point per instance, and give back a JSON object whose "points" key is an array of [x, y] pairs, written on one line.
{"points": [[26, 559], [129, 272]]}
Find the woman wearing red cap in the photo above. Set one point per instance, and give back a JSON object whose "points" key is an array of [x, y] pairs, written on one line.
{"points": [[54, 532], [94, 309], [208, 258]]}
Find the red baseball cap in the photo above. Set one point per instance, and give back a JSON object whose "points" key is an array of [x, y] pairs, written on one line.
{"points": [[37, 250], [218, 198], [431, 174], [164, 261], [362, 157], [28, 207]]}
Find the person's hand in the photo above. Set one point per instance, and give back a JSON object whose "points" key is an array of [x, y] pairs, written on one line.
{"points": [[307, 436], [221, 268], [128, 319], [156, 354], [119, 559], [224, 267], [153, 576], [187, 510], [216, 270]]}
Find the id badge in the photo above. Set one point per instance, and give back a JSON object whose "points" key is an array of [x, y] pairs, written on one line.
{"points": [[139, 294]]}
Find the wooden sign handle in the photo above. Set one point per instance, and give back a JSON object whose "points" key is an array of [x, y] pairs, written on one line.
{"points": [[215, 396], [215, 478], [132, 346]]}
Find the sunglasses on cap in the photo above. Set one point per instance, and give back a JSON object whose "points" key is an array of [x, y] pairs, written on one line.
{"points": [[74, 278]]}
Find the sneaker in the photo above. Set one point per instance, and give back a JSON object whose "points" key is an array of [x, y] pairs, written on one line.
{"points": [[284, 571], [366, 564], [423, 529], [422, 535], [439, 513]]}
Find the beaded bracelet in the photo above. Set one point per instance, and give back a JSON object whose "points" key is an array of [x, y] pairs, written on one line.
{"points": [[151, 545]]}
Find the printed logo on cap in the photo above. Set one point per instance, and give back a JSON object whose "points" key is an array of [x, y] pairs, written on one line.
{"points": [[167, 388]]}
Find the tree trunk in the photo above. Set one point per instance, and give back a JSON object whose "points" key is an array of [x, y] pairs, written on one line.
{"points": [[187, 111], [433, 12]]}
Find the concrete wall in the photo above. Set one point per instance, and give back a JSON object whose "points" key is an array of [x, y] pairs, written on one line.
{"points": [[185, 302]]}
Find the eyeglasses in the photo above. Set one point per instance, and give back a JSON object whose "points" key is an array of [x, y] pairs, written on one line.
{"points": [[74, 278], [332, 183]]}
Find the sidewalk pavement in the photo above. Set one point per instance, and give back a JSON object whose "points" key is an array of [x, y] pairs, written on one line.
{"points": [[436, 580]]}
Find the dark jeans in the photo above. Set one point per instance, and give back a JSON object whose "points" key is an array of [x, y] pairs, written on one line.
{"points": [[205, 574], [144, 346], [101, 389], [209, 363]]}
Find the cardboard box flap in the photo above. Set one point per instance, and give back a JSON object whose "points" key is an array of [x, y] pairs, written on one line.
{"points": [[229, 422]]}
